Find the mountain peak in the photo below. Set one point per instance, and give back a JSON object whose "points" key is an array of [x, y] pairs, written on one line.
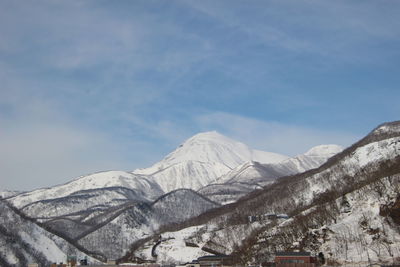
{"points": [[213, 137], [210, 147], [206, 135], [214, 147], [203, 158]]}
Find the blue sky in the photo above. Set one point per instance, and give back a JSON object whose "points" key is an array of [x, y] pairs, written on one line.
{"points": [[98, 85]]}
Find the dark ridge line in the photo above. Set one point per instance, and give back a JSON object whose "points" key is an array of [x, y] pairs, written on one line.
{"points": [[26, 193], [76, 195], [115, 214], [183, 190], [95, 208]]}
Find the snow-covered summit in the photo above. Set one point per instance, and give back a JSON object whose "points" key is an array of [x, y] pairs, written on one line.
{"points": [[203, 158], [256, 174], [210, 147]]}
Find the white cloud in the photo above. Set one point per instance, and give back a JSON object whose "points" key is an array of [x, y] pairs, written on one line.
{"points": [[38, 154], [272, 136], [332, 29], [41, 146], [70, 68]]}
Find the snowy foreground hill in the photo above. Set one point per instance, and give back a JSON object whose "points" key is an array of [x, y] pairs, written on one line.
{"points": [[22, 242], [198, 200], [347, 210]]}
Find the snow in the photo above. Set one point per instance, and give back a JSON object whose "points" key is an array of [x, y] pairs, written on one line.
{"points": [[250, 171], [199, 161], [93, 181], [173, 248], [313, 158], [189, 174], [267, 157], [391, 127], [354, 242], [29, 239], [213, 147], [361, 157], [7, 193], [378, 151], [45, 245], [326, 151], [349, 241], [203, 158]]}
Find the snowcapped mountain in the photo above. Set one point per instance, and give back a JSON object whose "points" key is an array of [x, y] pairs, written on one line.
{"points": [[253, 175], [347, 209], [313, 158], [202, 159], [144, 187], [253, 172]]}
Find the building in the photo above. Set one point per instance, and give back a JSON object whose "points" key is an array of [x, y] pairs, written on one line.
{"points": [[194, 263], [215, 261], [294, 259]]}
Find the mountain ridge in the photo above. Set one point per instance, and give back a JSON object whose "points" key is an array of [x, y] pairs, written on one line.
{"points": [[309, 198]]}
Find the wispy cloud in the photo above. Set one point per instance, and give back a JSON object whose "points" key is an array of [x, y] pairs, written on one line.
{"points": [[273, 136], [41, 147], [123, 83], [336, 30]]}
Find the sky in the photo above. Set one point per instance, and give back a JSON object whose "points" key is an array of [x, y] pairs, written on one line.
{"points": [[87, 86]]}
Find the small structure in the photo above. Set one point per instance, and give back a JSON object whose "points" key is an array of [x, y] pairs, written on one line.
{"points": [[215, 261], [84, 261], [194, 263], [71, 261], [294, 259]]}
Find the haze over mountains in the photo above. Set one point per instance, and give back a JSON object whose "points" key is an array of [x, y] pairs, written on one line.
{"points": [[202, 194], [204, 159]]}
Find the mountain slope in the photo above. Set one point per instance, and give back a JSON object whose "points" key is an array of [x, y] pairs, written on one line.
{"points": [[82, 203], [144, 220], [23, 242], [144, 187]]}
